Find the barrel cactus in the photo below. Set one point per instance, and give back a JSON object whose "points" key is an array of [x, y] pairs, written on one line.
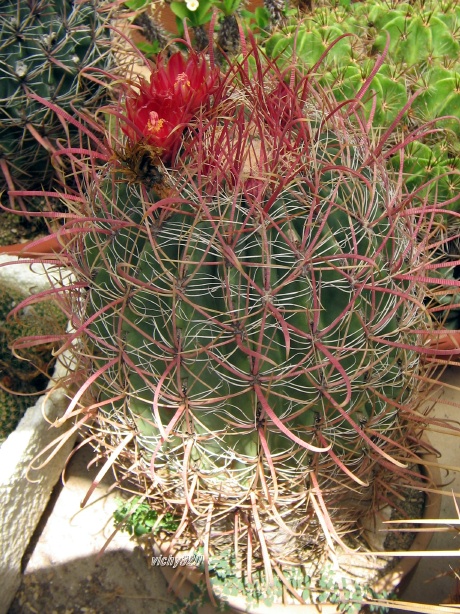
{"points": [[48, 48], [248, 302]]}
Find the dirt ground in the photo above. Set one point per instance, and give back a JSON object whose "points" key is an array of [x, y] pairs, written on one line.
{"points": [[63, 572]]}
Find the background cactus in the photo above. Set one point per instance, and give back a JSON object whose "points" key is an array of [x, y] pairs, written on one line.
{"points": [[197, 15], [12, 409], [423, 55], [48, 48], [24, 372], [248, 300]]}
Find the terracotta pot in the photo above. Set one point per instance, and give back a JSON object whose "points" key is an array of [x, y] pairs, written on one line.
{"points": [[34, 247], [53, 243], [183, 579], [447, 341]]}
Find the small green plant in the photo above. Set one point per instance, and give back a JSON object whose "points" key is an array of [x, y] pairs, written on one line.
{"points": [[258, 21], [197, 597], [347, 594], [195, 15], [138, 518]]}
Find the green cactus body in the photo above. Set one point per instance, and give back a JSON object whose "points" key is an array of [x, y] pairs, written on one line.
{"points": [[45, 48], [12, 409], [440, 97], [245, 333], [252, 309], [423, 163], [417, 38], [310, 43], [24, 372]]}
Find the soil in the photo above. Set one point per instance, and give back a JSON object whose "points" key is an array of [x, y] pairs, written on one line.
{"points": [[16, 228], [411, 507], [65, 571], [90, 588]]}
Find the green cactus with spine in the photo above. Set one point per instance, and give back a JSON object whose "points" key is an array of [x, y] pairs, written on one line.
{"points": [[423, 55], [48, 48], [12, 409], [24, 372], [251, 311]]}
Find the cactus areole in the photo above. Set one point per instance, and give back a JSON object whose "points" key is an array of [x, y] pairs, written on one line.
{"points": [[253, 312]]}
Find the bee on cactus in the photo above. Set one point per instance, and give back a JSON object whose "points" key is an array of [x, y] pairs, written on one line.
{"points": [[252, 337], [142, 162]]}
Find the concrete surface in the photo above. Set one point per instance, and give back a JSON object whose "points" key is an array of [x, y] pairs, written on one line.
{"points": [[64, 573], [24, 493]]}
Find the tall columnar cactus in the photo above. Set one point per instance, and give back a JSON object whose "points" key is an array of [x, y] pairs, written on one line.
{"points": [[48, 48], [248, 297]]}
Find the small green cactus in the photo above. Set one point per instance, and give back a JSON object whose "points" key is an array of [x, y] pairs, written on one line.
{"points": [[12, 409], [24, 372], [40, 319]]}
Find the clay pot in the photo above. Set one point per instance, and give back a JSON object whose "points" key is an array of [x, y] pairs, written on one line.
{"points": [[447, 341], [53, 243], [34, 247]]}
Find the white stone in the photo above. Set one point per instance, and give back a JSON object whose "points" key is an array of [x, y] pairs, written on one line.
{"points": [[25, 487]]}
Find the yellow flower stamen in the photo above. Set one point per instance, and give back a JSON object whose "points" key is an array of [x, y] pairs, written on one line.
{"points": [[155, 123], [181, 83]]}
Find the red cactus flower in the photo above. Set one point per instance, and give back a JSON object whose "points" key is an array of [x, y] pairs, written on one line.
{"points": [[158, 112]]}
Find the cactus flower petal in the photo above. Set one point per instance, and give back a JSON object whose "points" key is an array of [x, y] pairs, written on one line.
{"points": [[157, 111]]}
